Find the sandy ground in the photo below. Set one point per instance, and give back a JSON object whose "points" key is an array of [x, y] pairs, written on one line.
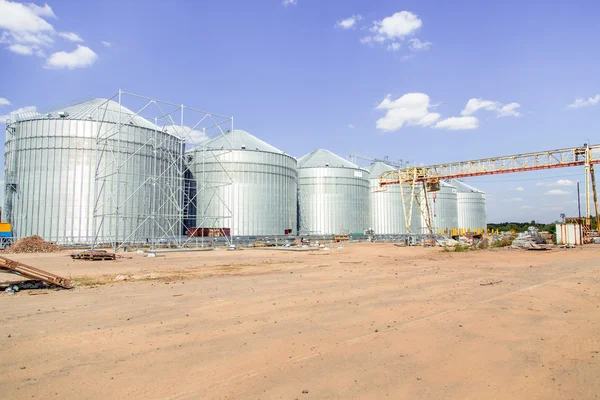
{"points": [[369, 321]]}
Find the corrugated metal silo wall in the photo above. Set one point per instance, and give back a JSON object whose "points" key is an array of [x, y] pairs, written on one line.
{"points": [[253, 192], [52, 185], [472, 211], [333, 200], [387, 214], [444, 209]]}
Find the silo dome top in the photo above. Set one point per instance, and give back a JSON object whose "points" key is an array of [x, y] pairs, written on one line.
{"points": [[463, 187], [324, 158], [377, 168], [240, 140], [95, 110]]}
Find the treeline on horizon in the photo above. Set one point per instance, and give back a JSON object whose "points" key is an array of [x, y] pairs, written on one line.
{"points": [[522, 226]]}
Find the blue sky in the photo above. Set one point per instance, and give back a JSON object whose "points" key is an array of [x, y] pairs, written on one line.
{"points": [[316, 73]]}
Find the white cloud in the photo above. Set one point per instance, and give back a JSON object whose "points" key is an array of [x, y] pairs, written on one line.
{"points": [[21, 49], [29, 109], [458, 123], [501, 110], [581, 102], [557, 192], [417, 45], [527, 207], [518, 189], [560, 182], [73, 37], [410, 109], [394, 46], [516, 199], [351, 126], [348, 22], [4, 102], [191, 135], [106, 44], [79, 58], [288, 2], [397, 26], [45, 11]]}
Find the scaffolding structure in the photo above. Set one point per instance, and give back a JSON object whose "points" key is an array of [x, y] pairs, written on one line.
{"points": [[170, 191], [416, 182]]}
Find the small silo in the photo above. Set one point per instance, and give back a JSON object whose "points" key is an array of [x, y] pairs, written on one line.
{"points": [[94, 171], [443, 208], [471, 202], [245, 185], [333, 195], [387, 214]]}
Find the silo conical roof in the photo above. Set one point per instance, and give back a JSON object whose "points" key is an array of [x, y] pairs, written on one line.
{"points": [[378, 167], [238, 140], [322, 158], [463, 187], [96, 110]]}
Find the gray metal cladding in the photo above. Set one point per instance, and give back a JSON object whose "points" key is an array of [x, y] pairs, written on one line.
{"points": [[443, 208], [250, 187], [333, 195], [387, 215], [471, 204], [51, 185]]}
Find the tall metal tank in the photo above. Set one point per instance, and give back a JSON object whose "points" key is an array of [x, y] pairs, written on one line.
{"points": [[333, 194], [244, 184], [54, 166], [471, 202], [443, 207], [386, 205]]}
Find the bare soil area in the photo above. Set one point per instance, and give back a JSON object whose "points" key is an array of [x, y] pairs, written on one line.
{"points": [[367, 321]]}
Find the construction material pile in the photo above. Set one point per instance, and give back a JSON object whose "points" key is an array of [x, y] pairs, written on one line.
{"points": [[32, 244]]}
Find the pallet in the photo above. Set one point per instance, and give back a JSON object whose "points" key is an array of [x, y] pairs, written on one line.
{"points": [[18, 268], [93, 256]]}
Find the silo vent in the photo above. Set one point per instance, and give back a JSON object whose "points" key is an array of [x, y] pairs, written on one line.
{"points": [[327, 164], [63, 114], [243, 147]]}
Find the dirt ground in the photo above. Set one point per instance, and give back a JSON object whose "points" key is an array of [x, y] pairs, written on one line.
{"points": [[367, 321]]}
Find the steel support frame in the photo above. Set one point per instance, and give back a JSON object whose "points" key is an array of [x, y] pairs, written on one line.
{"points": [[164, 214]]}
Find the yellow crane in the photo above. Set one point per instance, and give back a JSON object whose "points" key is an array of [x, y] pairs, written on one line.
{"points": [[416, 182]]}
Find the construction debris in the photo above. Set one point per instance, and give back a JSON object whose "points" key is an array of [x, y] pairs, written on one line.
{"points": [[93, 255], [490, 283], [32, 244], [27, 271]]}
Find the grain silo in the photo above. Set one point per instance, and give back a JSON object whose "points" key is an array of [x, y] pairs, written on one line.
{"points": [[333, 195], [443, 209], [244, 185], [387, 214], [91, 172], [471, 206]]}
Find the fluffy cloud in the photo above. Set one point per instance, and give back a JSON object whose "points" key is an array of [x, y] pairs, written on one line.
{"points": [[21, 49], [557, 192], [348, 22], [458, 123], [410, 109], [518, 189], [288, 2], [28, 109], [106, 44], [581, 102], [25, 30], [397, 28], [560, 182], [501, 110], [79, 58], [394, 46], [417, 45], [351, 126], [191, 135], [4, 102], [73, 37]]}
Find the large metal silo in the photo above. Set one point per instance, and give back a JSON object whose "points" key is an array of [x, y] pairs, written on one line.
{"points": [[333, 195], [443, 208], [471, 203], [244, 185], [387, 216], [92, 172]]}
